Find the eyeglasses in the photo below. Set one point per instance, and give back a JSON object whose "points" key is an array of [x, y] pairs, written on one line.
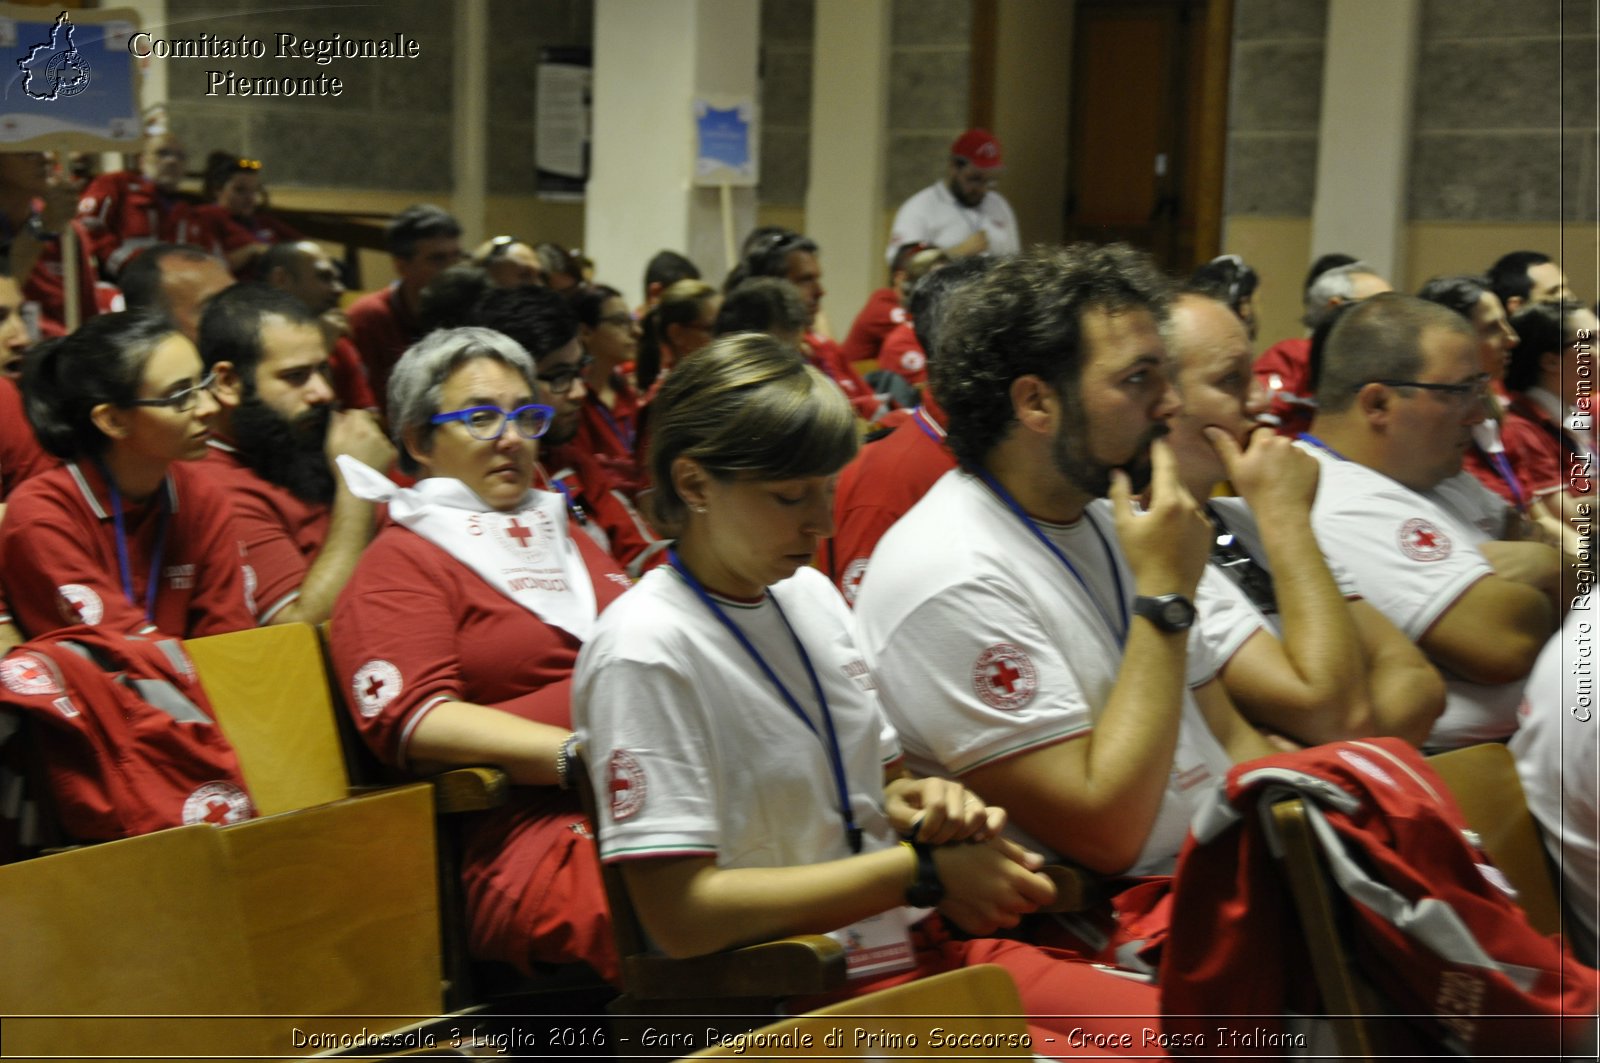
{"points": [[560, 382], [488, 423], [619, 320], [181, 401], [1474, 388]]}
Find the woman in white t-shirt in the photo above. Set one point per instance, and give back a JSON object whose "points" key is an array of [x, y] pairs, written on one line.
{"points": [[750, 784]]}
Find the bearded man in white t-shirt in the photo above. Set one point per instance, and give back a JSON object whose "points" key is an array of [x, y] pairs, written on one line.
{"points": [[1029, 637]]}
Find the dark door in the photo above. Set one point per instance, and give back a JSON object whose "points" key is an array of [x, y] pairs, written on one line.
{"points": [[1135, 106]]}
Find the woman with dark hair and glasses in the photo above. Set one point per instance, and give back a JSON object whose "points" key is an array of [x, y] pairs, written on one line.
{"points": [[1487, 459], [124, 535], [1549, 425], [231, 223], [610, 425], [456, 635]]}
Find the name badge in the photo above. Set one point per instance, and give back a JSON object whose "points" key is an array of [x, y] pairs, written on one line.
{"points": [[878, 944]]}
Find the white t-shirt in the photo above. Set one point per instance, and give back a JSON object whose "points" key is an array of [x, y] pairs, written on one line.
{"points": [[1465, 498], [985, 647], [1240, 519], [1556, 749], [692, 750], [1412, 559], [934, 216]]}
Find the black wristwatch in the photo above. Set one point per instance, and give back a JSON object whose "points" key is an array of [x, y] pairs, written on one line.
{"points": [[1169, 612], [926, 891]]}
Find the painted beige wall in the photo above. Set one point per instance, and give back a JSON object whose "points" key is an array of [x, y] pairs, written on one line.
{"points": [[1280, 251], [1033, 46], [1471, 247]]}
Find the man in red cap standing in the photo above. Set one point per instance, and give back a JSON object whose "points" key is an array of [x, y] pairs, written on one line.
{"points": [[961, 214]]}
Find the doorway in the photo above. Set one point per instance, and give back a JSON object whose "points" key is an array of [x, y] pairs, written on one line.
{"points": [[1148, 121]]}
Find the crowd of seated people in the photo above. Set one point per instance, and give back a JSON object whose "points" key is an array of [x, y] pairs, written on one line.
{"points": [[1092, 554]]}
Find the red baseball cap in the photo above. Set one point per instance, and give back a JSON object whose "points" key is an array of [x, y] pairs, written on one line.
{"points": [[980, 148]]}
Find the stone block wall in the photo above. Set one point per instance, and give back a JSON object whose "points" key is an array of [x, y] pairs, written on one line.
{"points": [[1274, 105], [928, 90], [389, 130], [1505, 121]]}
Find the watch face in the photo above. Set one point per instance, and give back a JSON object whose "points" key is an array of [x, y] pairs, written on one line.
{"points": [[1175, 613]]}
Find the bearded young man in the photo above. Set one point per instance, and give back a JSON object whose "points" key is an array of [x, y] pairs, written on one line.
{"points": [[1029, 637], [275, 441]]}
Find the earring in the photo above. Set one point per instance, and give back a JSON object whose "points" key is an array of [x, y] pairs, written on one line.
{"points": [[699, 509]]}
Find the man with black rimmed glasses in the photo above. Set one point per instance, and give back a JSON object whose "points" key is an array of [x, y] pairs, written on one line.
{"points": [[544, 324], [1401, 388]]}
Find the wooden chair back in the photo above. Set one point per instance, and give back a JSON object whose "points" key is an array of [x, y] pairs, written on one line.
{"points": [[112, 950], [270, 691], [981, 999], [1349, 1003], [743, 981], [1483, 780]]}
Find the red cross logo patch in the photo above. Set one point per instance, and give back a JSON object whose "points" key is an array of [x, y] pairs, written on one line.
{"points": [[625, 784], [80, 605], [526, 535], [1004, 678], [374, 685], [850, 582], [218, 803], [1422, 540], [31, 675]]}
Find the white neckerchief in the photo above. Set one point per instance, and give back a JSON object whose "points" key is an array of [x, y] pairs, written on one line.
{"points": [[524, 553]]}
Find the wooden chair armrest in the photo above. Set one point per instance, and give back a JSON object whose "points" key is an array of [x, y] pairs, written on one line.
{"points": [[469, 789], [805, 964], [1077, 890]]}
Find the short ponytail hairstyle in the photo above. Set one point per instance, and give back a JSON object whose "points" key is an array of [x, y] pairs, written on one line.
{"points": [[746, 407], [64, 379]]}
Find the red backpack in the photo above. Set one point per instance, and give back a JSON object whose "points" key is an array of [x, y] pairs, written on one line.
{"points": [[1435, 930], [123, 733]]}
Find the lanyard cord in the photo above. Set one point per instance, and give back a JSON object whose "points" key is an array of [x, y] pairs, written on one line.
{"points": [[124, 566], [852, 833], [566, 492], [1118, 633], [920, 415], [627, 438]]}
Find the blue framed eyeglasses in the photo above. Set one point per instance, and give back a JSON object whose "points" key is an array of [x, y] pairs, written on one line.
{"points": [[488, 423]]}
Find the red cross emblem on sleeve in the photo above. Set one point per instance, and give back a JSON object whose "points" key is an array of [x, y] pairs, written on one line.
{"points": [[1422, 540], [1004, 677]]}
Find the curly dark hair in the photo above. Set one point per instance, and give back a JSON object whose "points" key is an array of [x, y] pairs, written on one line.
{"points": [[1024, 318]]}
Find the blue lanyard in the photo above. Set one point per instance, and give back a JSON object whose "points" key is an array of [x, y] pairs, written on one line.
{"points": [[625, 438], [1503, 467], [920, 416], [852, 833], [566, 493], [1320, 445], [1118, 632], [124, 566]]}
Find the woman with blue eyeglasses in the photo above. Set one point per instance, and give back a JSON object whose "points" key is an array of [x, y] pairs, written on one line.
{"points": [[123, 536], [456, 636]]}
